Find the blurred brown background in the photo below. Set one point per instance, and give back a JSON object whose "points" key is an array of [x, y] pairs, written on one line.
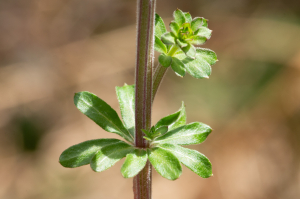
{"points": [[50, 49]]}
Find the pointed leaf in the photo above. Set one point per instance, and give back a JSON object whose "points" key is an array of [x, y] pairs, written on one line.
{"points": [[193, 133], [189, 51], [181, 44], [192, 159], [134, 163], [82, 153], [208, 55], [165, 163], [178, 67], [174, 120], [188, 17], [126, 97], [110, 155], [201, 66], [174, 28], [197, 23], [198, 40], [159, 46], [204, 32], [160, 27], [168, 39], [179, 17], [161, 130], [165, 60], [101, 113]]}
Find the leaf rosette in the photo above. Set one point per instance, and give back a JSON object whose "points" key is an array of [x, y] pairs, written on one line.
{"points": [[165, 137], [177, 47]]}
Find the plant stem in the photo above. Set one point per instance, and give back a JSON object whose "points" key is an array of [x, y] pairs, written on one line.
{"points": [[142, 183], [160, 71]]}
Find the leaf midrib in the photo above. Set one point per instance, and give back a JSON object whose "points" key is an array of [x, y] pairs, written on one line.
{"points": [[178, 137], [107, 119]]}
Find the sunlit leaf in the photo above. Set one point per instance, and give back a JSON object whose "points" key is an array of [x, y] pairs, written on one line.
{"points": [[178, 67], [160, 27], [174, 120], [101, 113], [165, 60], [82, 153], [188, 17], [165, 163], [193, 133], [189, 51], [126, 97], [168, 39], [201, 66], [134, 163], [174, 28], [159, 46], [179, 17], [192, 159], [110, 155]]}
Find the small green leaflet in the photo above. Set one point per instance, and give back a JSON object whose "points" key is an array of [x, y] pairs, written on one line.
{"points": [[201, 66], [126, 100], [192, 159], [193, 133], [81, 154], [160, 27], [110, 155], [174, 120], [189, 51], [134, 163], [168, 39], [165, 163], [178, 67], [179, 17], [165, 60], [159, 46], [101, 113]]}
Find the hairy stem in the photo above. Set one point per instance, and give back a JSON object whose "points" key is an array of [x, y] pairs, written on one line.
{"points": [[160, 71], [142, 183]]}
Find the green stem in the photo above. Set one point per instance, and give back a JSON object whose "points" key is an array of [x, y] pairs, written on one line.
{"points": [[142, 183], [160, 72]]}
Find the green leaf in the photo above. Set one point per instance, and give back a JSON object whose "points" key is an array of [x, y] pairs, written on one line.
{"points": [[204, 24], [82, 153], [174, 28], [204, 32], [168, 39], [189, 51], [192, 159], [193, 133], [110, 155], [126, 100], [181, 44], [134, 163], [165, 163], [165, 60], [201, 66], [197, 23], [101, 113], [208, 55], [179, 17], [174, 120], [160, 27], [178, 67], [198, 40], [159, 46], [188, 17], [161, 130]]}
